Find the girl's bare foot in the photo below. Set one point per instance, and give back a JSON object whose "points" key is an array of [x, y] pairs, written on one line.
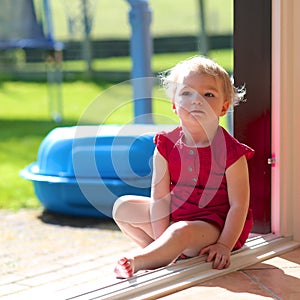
{"points": [[124, 268]]}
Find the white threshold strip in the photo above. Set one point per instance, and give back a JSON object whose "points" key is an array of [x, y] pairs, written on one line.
{"points": [[189, 272]]}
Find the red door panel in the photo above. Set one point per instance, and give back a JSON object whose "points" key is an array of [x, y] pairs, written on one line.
{"points": [[252, 120]]}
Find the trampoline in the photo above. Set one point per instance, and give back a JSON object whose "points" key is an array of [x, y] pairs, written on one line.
{"points": [[26, 25]]}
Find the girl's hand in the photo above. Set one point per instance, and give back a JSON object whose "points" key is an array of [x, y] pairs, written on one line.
{"points": [[219, 253]]}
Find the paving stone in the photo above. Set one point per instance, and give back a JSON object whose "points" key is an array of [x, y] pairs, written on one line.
{"points": [[43, 253]]}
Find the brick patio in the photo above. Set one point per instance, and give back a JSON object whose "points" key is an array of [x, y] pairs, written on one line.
{"points": [[46, 254]]}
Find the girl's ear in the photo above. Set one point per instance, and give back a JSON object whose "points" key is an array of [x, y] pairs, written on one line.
{"points": [[225, 107]]}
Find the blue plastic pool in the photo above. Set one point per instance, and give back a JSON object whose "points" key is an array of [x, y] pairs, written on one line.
{"points": [[82, 170]]}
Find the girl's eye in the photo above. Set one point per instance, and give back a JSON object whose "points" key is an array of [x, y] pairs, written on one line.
{"points": [[186, 93], [209, 95]]}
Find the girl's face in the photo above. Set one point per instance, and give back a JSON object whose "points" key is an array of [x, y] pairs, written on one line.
{"points": [[200, 98]]}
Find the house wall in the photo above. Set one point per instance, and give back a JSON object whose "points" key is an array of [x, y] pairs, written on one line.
{"points": [[285, 118]]}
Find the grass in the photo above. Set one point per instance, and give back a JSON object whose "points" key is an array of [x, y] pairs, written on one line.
{"points": [[169, 17], [160, 62], [165, 61], [25, 120], [20, 140]]}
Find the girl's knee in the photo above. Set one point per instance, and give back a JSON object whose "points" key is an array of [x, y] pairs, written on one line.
{"points": [[119, 206], [131, 209], [180, 229], [187, 231]]}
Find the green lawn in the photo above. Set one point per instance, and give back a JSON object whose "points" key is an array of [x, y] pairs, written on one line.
{"points": [[161, 62], [25, 120], [169, 17]]}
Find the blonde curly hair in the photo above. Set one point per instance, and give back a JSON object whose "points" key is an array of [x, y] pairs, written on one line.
{"points": [[203, 65]]}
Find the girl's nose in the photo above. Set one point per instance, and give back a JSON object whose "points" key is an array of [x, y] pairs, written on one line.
{"points": [[197, 99]]}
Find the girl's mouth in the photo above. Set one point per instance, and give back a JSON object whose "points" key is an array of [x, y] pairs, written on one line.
{"points": [[197, 112]]}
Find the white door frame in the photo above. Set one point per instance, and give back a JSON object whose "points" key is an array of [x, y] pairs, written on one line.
{"points": [[285, 118]]}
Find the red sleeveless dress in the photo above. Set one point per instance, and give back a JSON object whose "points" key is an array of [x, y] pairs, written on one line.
{"points": [[198, 183]]}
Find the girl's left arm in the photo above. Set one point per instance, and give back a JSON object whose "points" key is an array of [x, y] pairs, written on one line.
{"points": [[237, 177], [239, 196]]}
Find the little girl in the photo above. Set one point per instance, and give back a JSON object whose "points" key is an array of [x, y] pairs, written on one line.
{"points": [[199, 200]]}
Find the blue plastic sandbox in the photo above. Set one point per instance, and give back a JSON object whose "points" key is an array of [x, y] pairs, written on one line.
{"points": [[82, 170]]}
